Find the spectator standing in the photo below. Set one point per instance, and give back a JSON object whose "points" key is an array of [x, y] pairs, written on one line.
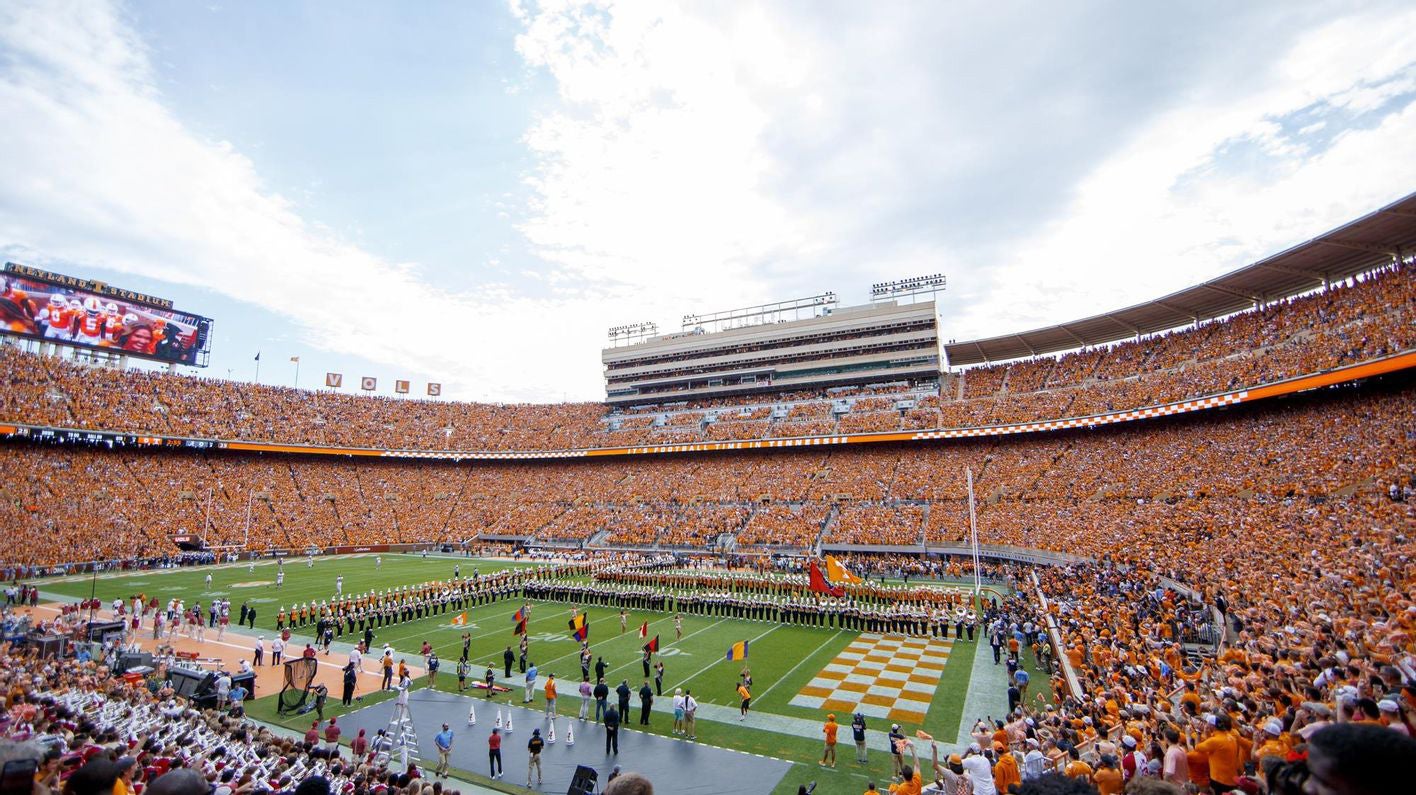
{"points": [[530, 684], [331, 735], [646, 702], [534, 747], [442, 741], [612, 725], [494, 758], [829, 730], [858, 735]]}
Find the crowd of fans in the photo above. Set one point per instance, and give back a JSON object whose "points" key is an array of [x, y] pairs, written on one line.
{"points": [[1279, 532], [94, 733], [1177, 485], [1371, 316]]}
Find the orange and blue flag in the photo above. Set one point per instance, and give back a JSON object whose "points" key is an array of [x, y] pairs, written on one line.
{"points": [[738, 651], [520, 615]]}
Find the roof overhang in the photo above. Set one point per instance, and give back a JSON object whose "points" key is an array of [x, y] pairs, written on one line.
{"points": [[1369, 242]]}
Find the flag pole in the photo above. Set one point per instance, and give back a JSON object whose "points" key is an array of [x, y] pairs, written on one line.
{"points": [[297, 373], [973, 528]]}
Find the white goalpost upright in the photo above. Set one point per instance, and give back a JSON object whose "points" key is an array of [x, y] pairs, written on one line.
{"points": [[973, 529]]}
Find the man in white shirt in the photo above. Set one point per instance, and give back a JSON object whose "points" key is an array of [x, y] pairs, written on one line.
{"points": [[690, 715], [1034, 761], [223, 689], [979, 769]]}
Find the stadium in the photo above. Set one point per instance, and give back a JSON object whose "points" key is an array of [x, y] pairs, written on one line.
{"points": [[1076, 549], [615, 397]]}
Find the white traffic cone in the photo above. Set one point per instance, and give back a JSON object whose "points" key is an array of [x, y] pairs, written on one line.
{"points": [[551, 737], [472, 714], [508, 722], [499, 720], [569, 735]]}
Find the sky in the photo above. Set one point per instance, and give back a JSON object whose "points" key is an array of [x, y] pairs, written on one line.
{"points": [[473, 193]]}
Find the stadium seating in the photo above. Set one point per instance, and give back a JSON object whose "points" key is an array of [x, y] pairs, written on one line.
{"points": [[1294, 514], [1145, 487], [1367, 318]]}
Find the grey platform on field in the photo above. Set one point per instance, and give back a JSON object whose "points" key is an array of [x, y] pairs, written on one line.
{"points": [[672, 764]]}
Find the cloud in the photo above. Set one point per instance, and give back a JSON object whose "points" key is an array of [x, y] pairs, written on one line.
{"points": [[1177, 205], [696, 157], [1090, 158], [101, 172]]}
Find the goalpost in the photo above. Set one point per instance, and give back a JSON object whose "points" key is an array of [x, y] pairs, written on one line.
{"points": [[973, 529]]}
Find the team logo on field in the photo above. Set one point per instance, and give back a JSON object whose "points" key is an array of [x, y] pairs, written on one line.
{"points": [[252, 584], [882, 676]]}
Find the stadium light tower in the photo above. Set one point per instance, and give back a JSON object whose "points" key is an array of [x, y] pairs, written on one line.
{"points": [[631, 333], [907, 288]]}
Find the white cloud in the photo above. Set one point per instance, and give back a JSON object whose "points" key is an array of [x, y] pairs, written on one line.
{"points": [[103, 173], [702, 156], [774, 151], [1164, 212]]}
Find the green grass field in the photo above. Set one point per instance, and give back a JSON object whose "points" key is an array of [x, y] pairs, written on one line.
{"points": [[783, 658]]}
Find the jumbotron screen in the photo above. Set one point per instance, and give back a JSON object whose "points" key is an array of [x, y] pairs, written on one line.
{"points": [[59, 310]]}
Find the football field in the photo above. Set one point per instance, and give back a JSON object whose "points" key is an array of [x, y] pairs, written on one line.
{"points": [[799, 673]]}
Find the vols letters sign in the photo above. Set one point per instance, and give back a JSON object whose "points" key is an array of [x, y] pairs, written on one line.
{"points": [[368, 383], [434, 389], [334, 380], [401, 387]]}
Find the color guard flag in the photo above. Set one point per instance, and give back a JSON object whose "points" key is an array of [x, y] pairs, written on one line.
{"points": [[644, 630], [579, 627], [520, 628], [459, 620], [738, 651], [835, 572], [653, 645], [818, 582], [520, 615]]}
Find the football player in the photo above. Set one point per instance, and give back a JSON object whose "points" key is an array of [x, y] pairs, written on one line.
{"points": [[112, 322], [57, 318], [91, 323]]}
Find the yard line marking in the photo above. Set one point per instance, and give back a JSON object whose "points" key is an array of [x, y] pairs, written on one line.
{"points": [[720, 659], [674, 643], [788, 674], [576, 653]]}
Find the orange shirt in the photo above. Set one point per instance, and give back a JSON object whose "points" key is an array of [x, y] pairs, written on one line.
{"points": [[1108, 781], [1078, 769], [1224, 759], [1198, 762], [911, 787], [1006, 773], [830, 731], [550, 688]]}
